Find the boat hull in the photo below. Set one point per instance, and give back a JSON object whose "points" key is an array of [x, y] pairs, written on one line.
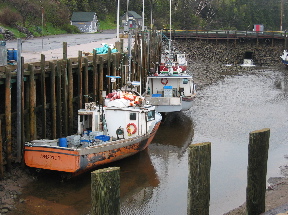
{"points": [[285, 62], [80, 160]]}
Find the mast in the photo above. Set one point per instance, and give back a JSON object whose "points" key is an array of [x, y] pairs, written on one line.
{"points": [[118, 17], [170, 31]]}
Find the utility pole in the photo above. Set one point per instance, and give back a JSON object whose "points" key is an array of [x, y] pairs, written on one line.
{"points": [[281, 15]]}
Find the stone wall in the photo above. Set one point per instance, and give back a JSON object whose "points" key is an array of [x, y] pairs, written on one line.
{"points": [[265, 53]]}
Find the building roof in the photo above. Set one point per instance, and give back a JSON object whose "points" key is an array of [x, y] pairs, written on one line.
{"points": [[82, 16], [134, 14]]}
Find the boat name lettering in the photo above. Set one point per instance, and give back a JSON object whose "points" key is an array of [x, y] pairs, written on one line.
{"points": [[53, 157]]}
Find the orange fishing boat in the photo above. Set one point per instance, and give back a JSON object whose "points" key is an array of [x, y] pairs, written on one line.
{"points": [[106, 133]]}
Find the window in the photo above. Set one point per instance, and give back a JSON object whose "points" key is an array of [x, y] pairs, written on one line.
{"points": [[132, 116], [151, 115]]}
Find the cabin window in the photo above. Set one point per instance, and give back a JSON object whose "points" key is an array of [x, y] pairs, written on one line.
{"points": [[151, 115], [132, 116]]}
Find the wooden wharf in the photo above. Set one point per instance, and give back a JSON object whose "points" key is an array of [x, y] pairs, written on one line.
{"points": [[53, 91]]}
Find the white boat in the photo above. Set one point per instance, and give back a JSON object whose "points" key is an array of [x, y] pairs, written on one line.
{"points": [[284, 57], [248, 63], [121, 127], [171, 88]]}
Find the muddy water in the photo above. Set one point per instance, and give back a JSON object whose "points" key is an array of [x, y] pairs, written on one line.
{"points": [[155, 181]]}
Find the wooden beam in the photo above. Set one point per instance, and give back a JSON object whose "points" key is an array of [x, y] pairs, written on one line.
{"points": [[257, 171], [80, 81], [199, 178], [53, 99], [8, 127], [32, 90], [43, 97], [105, 191], [70, 98]]}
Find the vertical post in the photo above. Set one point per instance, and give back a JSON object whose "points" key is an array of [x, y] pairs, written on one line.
{"points": [[101, 79], [285, 39], [58, 99], [19, 101], [85, 79], [8, 119], [1, 153], [199, 178], [257, 170], [95, 76], [105, 191], [80, 80], [32, 90], [64, 50], [53, 100], [43, 96], [70, 97], [21, 147], [109, 68], [64, 97]]}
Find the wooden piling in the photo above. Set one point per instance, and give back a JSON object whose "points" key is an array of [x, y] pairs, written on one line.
{"points": [[105, 191], [70, 97], [199, 178], [59, 99], [257, 170], [80, 81], [43, 97], [64, 50], [101, 79], [95, 77], [8, 119], [53, 100], [64, 97], [32, 101], [1, 153], [85, 80]]}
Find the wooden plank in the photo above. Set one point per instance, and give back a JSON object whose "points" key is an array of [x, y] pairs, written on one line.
{"points": [[114, 69], [85, 79], [1, 153], [95, 76], [109, 69], [80, 81], [32, 90], [70, 98], [101, 79], [199, 178], [43, 97], [105, 191], [22, 111], [257, 171], [64, 50], [26, 111], [8, 127], [64, 97], [53, 99], [59, 100]]}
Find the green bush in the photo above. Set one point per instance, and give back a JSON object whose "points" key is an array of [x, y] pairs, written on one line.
{"points": [[71, 29]]}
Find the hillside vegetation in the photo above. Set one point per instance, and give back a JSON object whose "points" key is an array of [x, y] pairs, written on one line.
{"points": [[42, 17]]}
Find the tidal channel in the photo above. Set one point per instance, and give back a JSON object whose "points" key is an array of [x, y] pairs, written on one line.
{"points": [[155, 181]]}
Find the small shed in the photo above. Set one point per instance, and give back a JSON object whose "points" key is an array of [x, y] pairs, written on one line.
{"points": [[86, 21], [134, 19]]}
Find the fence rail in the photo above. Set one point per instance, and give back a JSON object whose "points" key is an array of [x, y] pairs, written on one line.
{"points": [[224, 34]]}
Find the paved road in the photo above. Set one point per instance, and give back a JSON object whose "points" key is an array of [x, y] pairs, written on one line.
{"points": [[52, 46]]}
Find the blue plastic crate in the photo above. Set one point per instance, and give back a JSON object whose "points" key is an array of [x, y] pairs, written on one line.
{"points": [[156, 95], [103, 138], [167, 87]]}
